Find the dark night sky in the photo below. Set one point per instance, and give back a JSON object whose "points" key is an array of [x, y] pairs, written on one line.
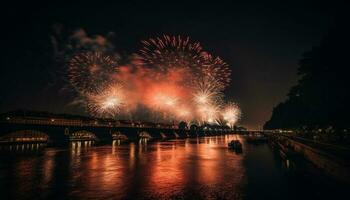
{"points": [[261, 41]]}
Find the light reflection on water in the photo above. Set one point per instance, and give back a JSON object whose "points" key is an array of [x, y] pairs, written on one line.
{"points": [[142, 170], [29, 147], [193, 168]]}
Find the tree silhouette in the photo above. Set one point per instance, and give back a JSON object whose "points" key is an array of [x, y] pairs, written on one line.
{"points": [[321, 97]]}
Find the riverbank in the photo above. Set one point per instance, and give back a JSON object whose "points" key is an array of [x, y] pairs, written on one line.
{"points": [[333, 160]]}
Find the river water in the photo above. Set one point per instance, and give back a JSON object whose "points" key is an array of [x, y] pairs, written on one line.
{"points": [[192, 168]]}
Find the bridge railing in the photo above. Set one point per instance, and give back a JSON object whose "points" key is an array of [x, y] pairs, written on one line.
{"points": [[326, 147], [83, 123]]}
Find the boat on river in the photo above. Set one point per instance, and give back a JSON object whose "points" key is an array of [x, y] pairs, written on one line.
{"points": [[235, 145]]}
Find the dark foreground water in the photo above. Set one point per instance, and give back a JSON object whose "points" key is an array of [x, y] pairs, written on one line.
{"points": [[195, 168]]}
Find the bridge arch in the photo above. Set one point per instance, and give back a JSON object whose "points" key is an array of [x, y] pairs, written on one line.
{"points": [[82, 136], [117, 135], [25, 136], [144, 134], [163, 135], [176, 135]]}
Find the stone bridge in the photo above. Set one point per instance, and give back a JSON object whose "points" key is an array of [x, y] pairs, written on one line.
{"points": [[60, 133]]}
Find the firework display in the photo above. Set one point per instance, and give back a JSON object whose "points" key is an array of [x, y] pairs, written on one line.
{"points": [[90, 71], [231, 114], [169, 52], [108, 101], [170, 79]]}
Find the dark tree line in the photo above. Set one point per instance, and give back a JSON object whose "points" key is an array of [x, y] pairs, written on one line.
{"points": [[321, 97]]}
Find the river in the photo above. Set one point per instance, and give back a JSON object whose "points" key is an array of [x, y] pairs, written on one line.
{"points": [[192, 168]]}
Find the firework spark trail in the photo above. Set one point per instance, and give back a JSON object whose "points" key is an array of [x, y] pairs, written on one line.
{"points": [[167, 53], [107, 102], [231, 114], [217, 69], [90, 71], [208, 113], [171, 77], [206, 90]]}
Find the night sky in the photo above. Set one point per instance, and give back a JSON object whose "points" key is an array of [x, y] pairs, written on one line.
{"points": [[262, 42]]}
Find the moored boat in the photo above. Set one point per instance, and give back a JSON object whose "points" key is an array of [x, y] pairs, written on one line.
{"points": [[235, 144]]}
